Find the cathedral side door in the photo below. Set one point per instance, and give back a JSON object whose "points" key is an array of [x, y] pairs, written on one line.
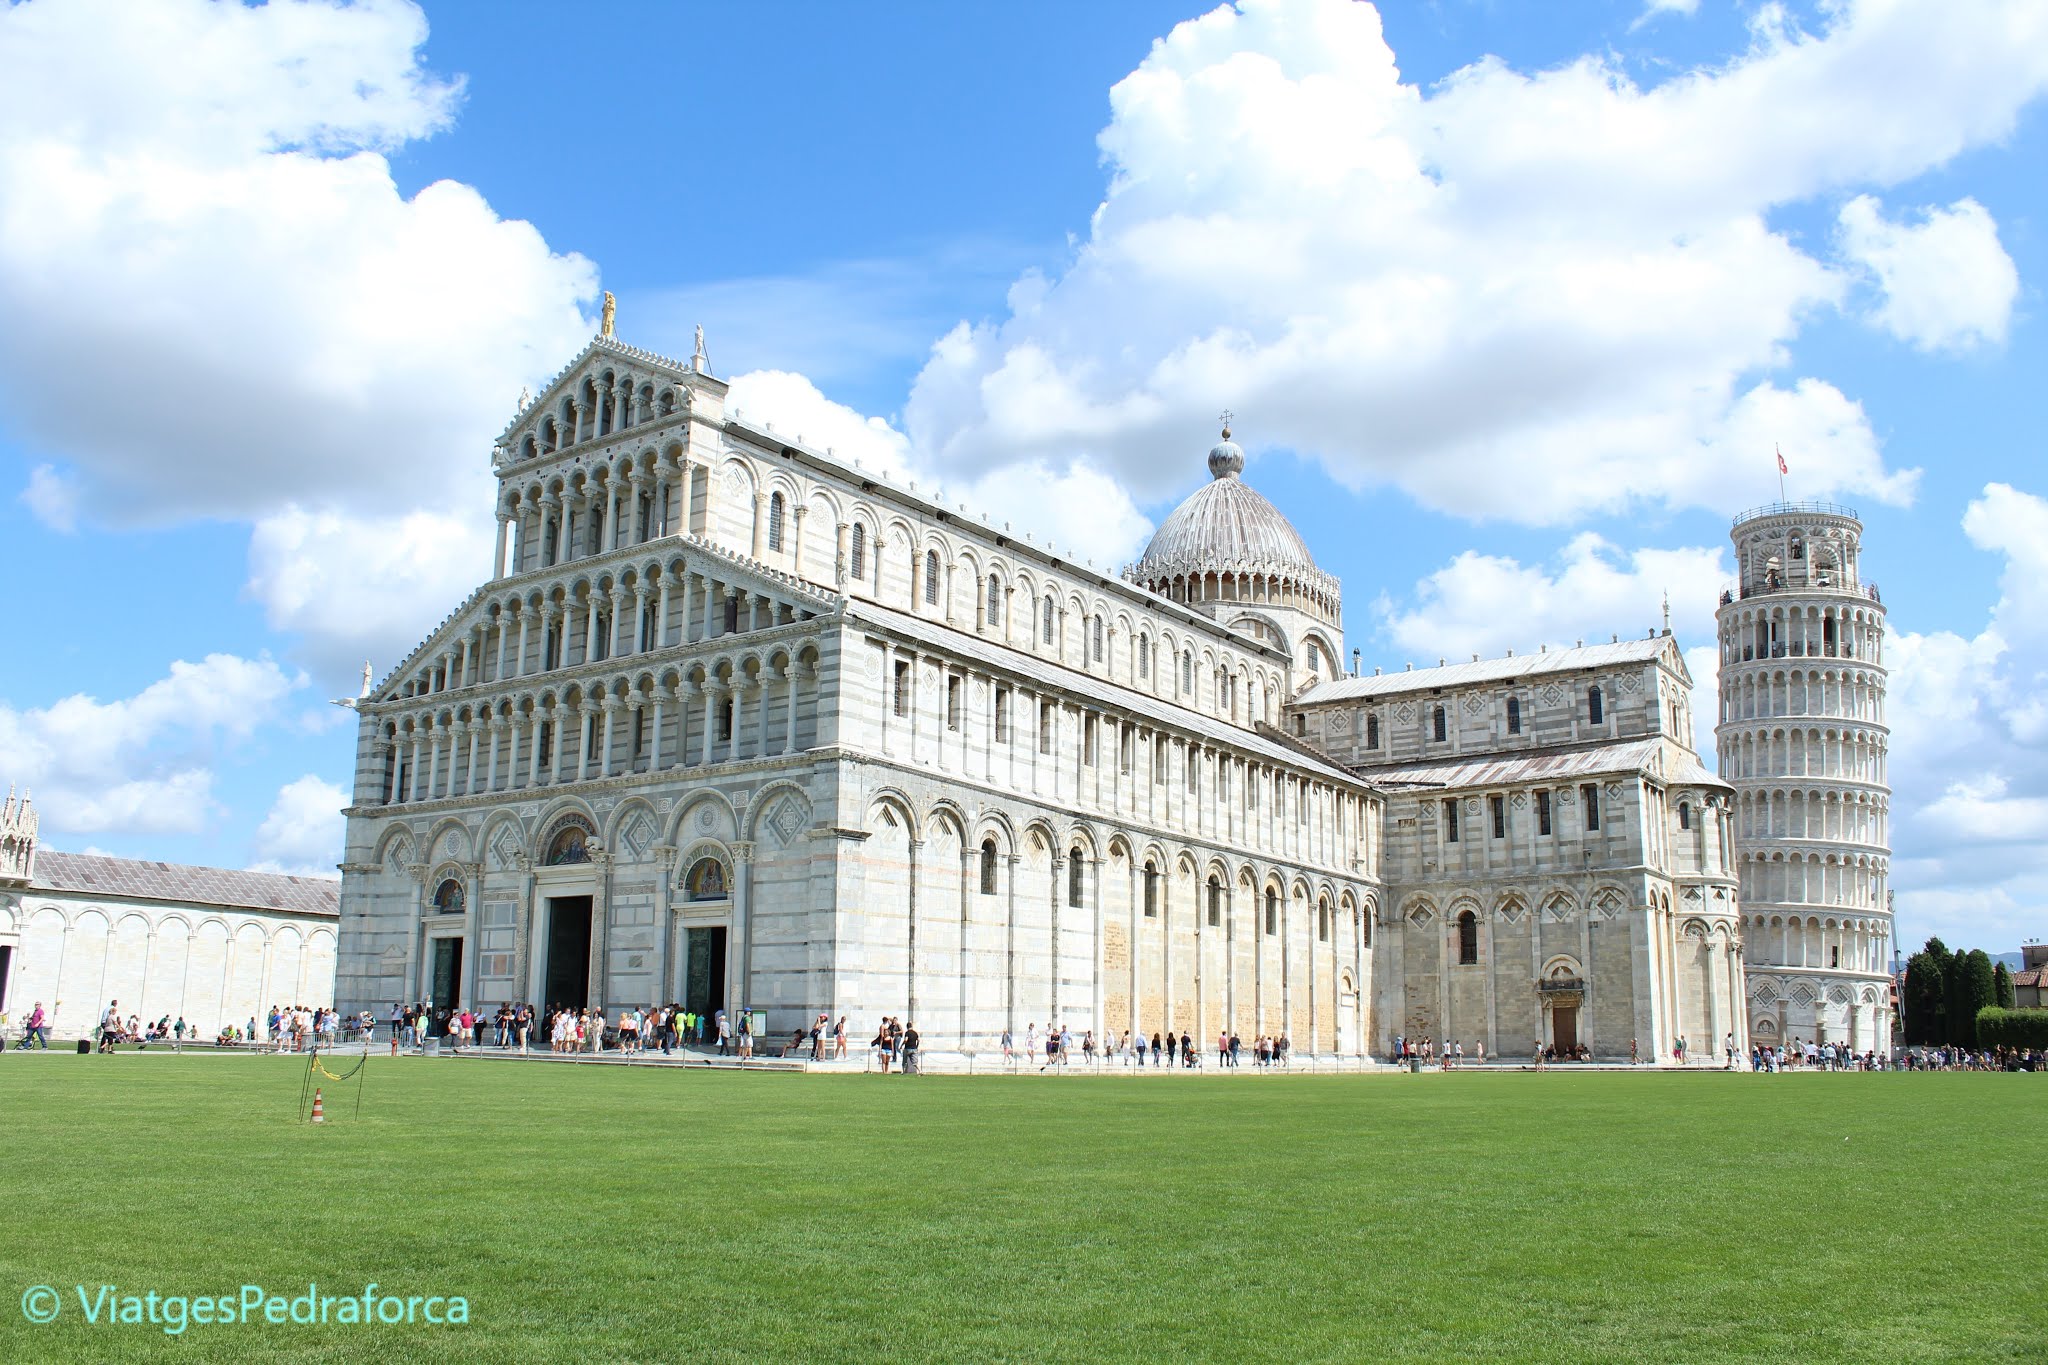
{"points": [[447, 978], [1564, 1027]]}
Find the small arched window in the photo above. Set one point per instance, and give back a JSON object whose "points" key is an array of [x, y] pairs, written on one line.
{"points": [[1187, 671], [706, 881], [1144, 656], [1272, 911], [1596, 709], [1372, 732], [857, 559], [988, 867], [1045, 615], [1438, 724], [1685, 815], [775, 510], [1215, 902], [931, 578], [572, 845], [1514, 715], [448, 897], [1098, 640], [995, 601], [1323, 922], [1074, 878], [1151, 891], [1468, 938]]}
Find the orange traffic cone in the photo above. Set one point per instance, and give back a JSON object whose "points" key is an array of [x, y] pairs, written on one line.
{"points": [[318, 1116]]}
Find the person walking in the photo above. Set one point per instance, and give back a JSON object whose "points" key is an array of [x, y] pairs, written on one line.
{"points": [[910, 1046], [724, 1035], [38, 1029]]}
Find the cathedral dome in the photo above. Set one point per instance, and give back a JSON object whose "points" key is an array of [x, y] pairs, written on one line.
{"points": [[1226, 526]]}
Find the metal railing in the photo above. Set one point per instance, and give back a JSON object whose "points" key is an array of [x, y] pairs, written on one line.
{"points": [[1779, 509]]}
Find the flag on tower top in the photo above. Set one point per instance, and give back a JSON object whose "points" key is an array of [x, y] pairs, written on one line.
{"points": [[1782, 469]]}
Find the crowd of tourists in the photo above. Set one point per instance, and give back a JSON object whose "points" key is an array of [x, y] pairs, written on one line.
{"points": [[1058, 1048], [1830, 1057], [562, 1029]]}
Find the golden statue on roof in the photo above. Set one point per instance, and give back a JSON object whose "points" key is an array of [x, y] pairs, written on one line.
{"points": [[611, 310]]}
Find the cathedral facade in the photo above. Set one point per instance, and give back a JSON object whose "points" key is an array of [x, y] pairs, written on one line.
{"points": [[738, 724]]}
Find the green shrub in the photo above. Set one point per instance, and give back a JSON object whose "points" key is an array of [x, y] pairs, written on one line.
{"points": [[2012, 1028]]}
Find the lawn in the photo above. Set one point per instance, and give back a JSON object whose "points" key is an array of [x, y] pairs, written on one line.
{"points": [[610, 1214]]}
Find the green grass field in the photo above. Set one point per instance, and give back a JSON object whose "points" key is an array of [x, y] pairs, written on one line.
{"points": [[608, 1214]]}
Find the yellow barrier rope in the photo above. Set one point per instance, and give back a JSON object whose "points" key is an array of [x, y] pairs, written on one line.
{"points": [[321, 1067]]}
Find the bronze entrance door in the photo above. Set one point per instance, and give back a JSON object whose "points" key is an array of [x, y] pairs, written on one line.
{"points": [[446, 990], [1564, 1028], [566, 974], [704, 980]]}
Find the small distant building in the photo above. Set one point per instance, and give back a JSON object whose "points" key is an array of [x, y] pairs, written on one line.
{"points": [[2030, 982], [213, 946]]}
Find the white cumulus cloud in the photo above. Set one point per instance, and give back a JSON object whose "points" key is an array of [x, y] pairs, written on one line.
{"points": [[302, 834], [1946, 282], [141, 764], [1969, 749], [1488, 604], [1517, 295], [195, 196]]}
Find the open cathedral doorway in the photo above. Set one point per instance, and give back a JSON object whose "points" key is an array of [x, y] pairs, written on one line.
{"points": [[567, 978], [704, 975], [446, 990], [1564, 1028]]}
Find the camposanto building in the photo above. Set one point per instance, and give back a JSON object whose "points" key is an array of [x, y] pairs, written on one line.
{"points": [[215, 947], [738, 724]]}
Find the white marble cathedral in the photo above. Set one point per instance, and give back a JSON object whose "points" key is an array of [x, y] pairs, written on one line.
{"points": [[738, 724]]}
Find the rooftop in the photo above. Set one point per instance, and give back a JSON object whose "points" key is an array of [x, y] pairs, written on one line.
{"points": [[1486, 670], [96, 875], [1659, 756]]}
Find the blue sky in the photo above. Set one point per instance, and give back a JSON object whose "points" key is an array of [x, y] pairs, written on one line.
{"points": [[1512, 302]]}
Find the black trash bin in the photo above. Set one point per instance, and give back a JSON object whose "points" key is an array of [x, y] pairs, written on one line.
{"points": [[1415, 1066], [84, 1046]]}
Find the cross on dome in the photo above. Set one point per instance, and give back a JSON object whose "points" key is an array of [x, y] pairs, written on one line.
{"points": [[1226, 460]]}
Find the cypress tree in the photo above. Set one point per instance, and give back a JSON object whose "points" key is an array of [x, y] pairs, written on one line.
{"points": [[2001, 979], [1920, 1000], [1958, 1020], [1980, 989]]}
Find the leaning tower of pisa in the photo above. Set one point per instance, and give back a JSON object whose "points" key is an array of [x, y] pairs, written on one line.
{"points": [[1802, 738]]}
